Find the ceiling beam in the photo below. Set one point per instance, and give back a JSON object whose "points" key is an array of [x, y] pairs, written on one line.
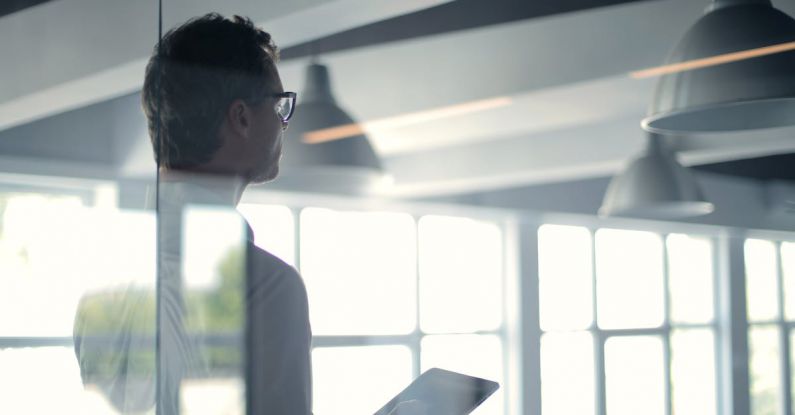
{"points": [[598, 149], [71, 53]]}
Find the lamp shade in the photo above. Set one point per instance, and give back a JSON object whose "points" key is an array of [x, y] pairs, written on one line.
{"points": [[655, 185], [740, 93], [346, 165]]}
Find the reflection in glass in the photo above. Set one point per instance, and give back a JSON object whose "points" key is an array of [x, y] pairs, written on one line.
{"points": [[629, 279], [565, 277], [360, 271], [273, 227], [474, 355], [460, 275], [358, 380], [693, 372], [788, 269], [635, 374], [690, 279], [761, 281], [213, 262], [567, 374], [114, 343], [765, 370]]}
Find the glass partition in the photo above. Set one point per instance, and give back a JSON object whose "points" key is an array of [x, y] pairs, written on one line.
{"points": [[296, 207], [77, 219]]}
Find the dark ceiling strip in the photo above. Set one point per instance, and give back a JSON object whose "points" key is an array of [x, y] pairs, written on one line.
{"points": [[12, 6], [449, 17], [775, 167]]}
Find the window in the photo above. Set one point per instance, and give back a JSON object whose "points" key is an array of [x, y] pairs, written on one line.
{"points": [[55, 250], [356, 379], [628, 322], [359, 269], [770, 289], [461, 300], [392, 295]]}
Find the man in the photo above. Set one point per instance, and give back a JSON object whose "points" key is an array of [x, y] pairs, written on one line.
{"points": [[216, 111]]}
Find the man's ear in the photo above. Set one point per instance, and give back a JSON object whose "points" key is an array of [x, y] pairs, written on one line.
{"points": [[238, 116]]}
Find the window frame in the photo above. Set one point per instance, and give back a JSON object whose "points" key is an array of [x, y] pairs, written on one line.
{"points": [[785, 329], [504, 219], [600, 336], [520, 331]]}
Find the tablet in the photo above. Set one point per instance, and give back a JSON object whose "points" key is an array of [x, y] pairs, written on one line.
{"points": [[444, 393]]}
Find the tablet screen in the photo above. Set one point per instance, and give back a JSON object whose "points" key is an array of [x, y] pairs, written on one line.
{"points": [[444, 393]]}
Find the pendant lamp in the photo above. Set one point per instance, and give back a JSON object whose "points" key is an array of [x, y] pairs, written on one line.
{"points": [[655, 185], [729, 77], [346, 165]]}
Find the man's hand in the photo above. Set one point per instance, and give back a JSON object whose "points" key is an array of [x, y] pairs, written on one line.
{"points": [[413, 407]]}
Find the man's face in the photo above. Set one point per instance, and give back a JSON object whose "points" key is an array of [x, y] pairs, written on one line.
{"points": [[266, 139]]}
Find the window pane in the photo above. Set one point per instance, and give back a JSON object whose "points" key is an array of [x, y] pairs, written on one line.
{"points": [[761, 280], [36, 275], [360, 271], [788, 267], [46, 380], [567, 374], [693, 372], [629, 279], [765, 370], [565, 277], [690, 278], [358, 380], [635, 375], [474, 355], [53, 251], [460, 275], [274, 229]]}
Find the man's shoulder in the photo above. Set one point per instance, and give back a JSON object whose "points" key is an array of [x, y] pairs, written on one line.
{"points": [[265, 259], [270, 270]]}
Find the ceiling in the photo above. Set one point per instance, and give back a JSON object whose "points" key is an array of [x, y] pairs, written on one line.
{"points": [[568, 110], [13, 6], [447, 17], [774, 167], [471, 14]]}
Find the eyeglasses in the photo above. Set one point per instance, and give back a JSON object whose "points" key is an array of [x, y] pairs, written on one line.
{"points": [[285, 105]]}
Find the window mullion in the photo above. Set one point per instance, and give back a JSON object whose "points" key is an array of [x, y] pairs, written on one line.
{"points": [[7, 342], [599, 338], [416, 343], [363, 340], [784, 339], [651, 331], [733, 319], [530, 323], [717, 327], [667, 325], [297, 237]]}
